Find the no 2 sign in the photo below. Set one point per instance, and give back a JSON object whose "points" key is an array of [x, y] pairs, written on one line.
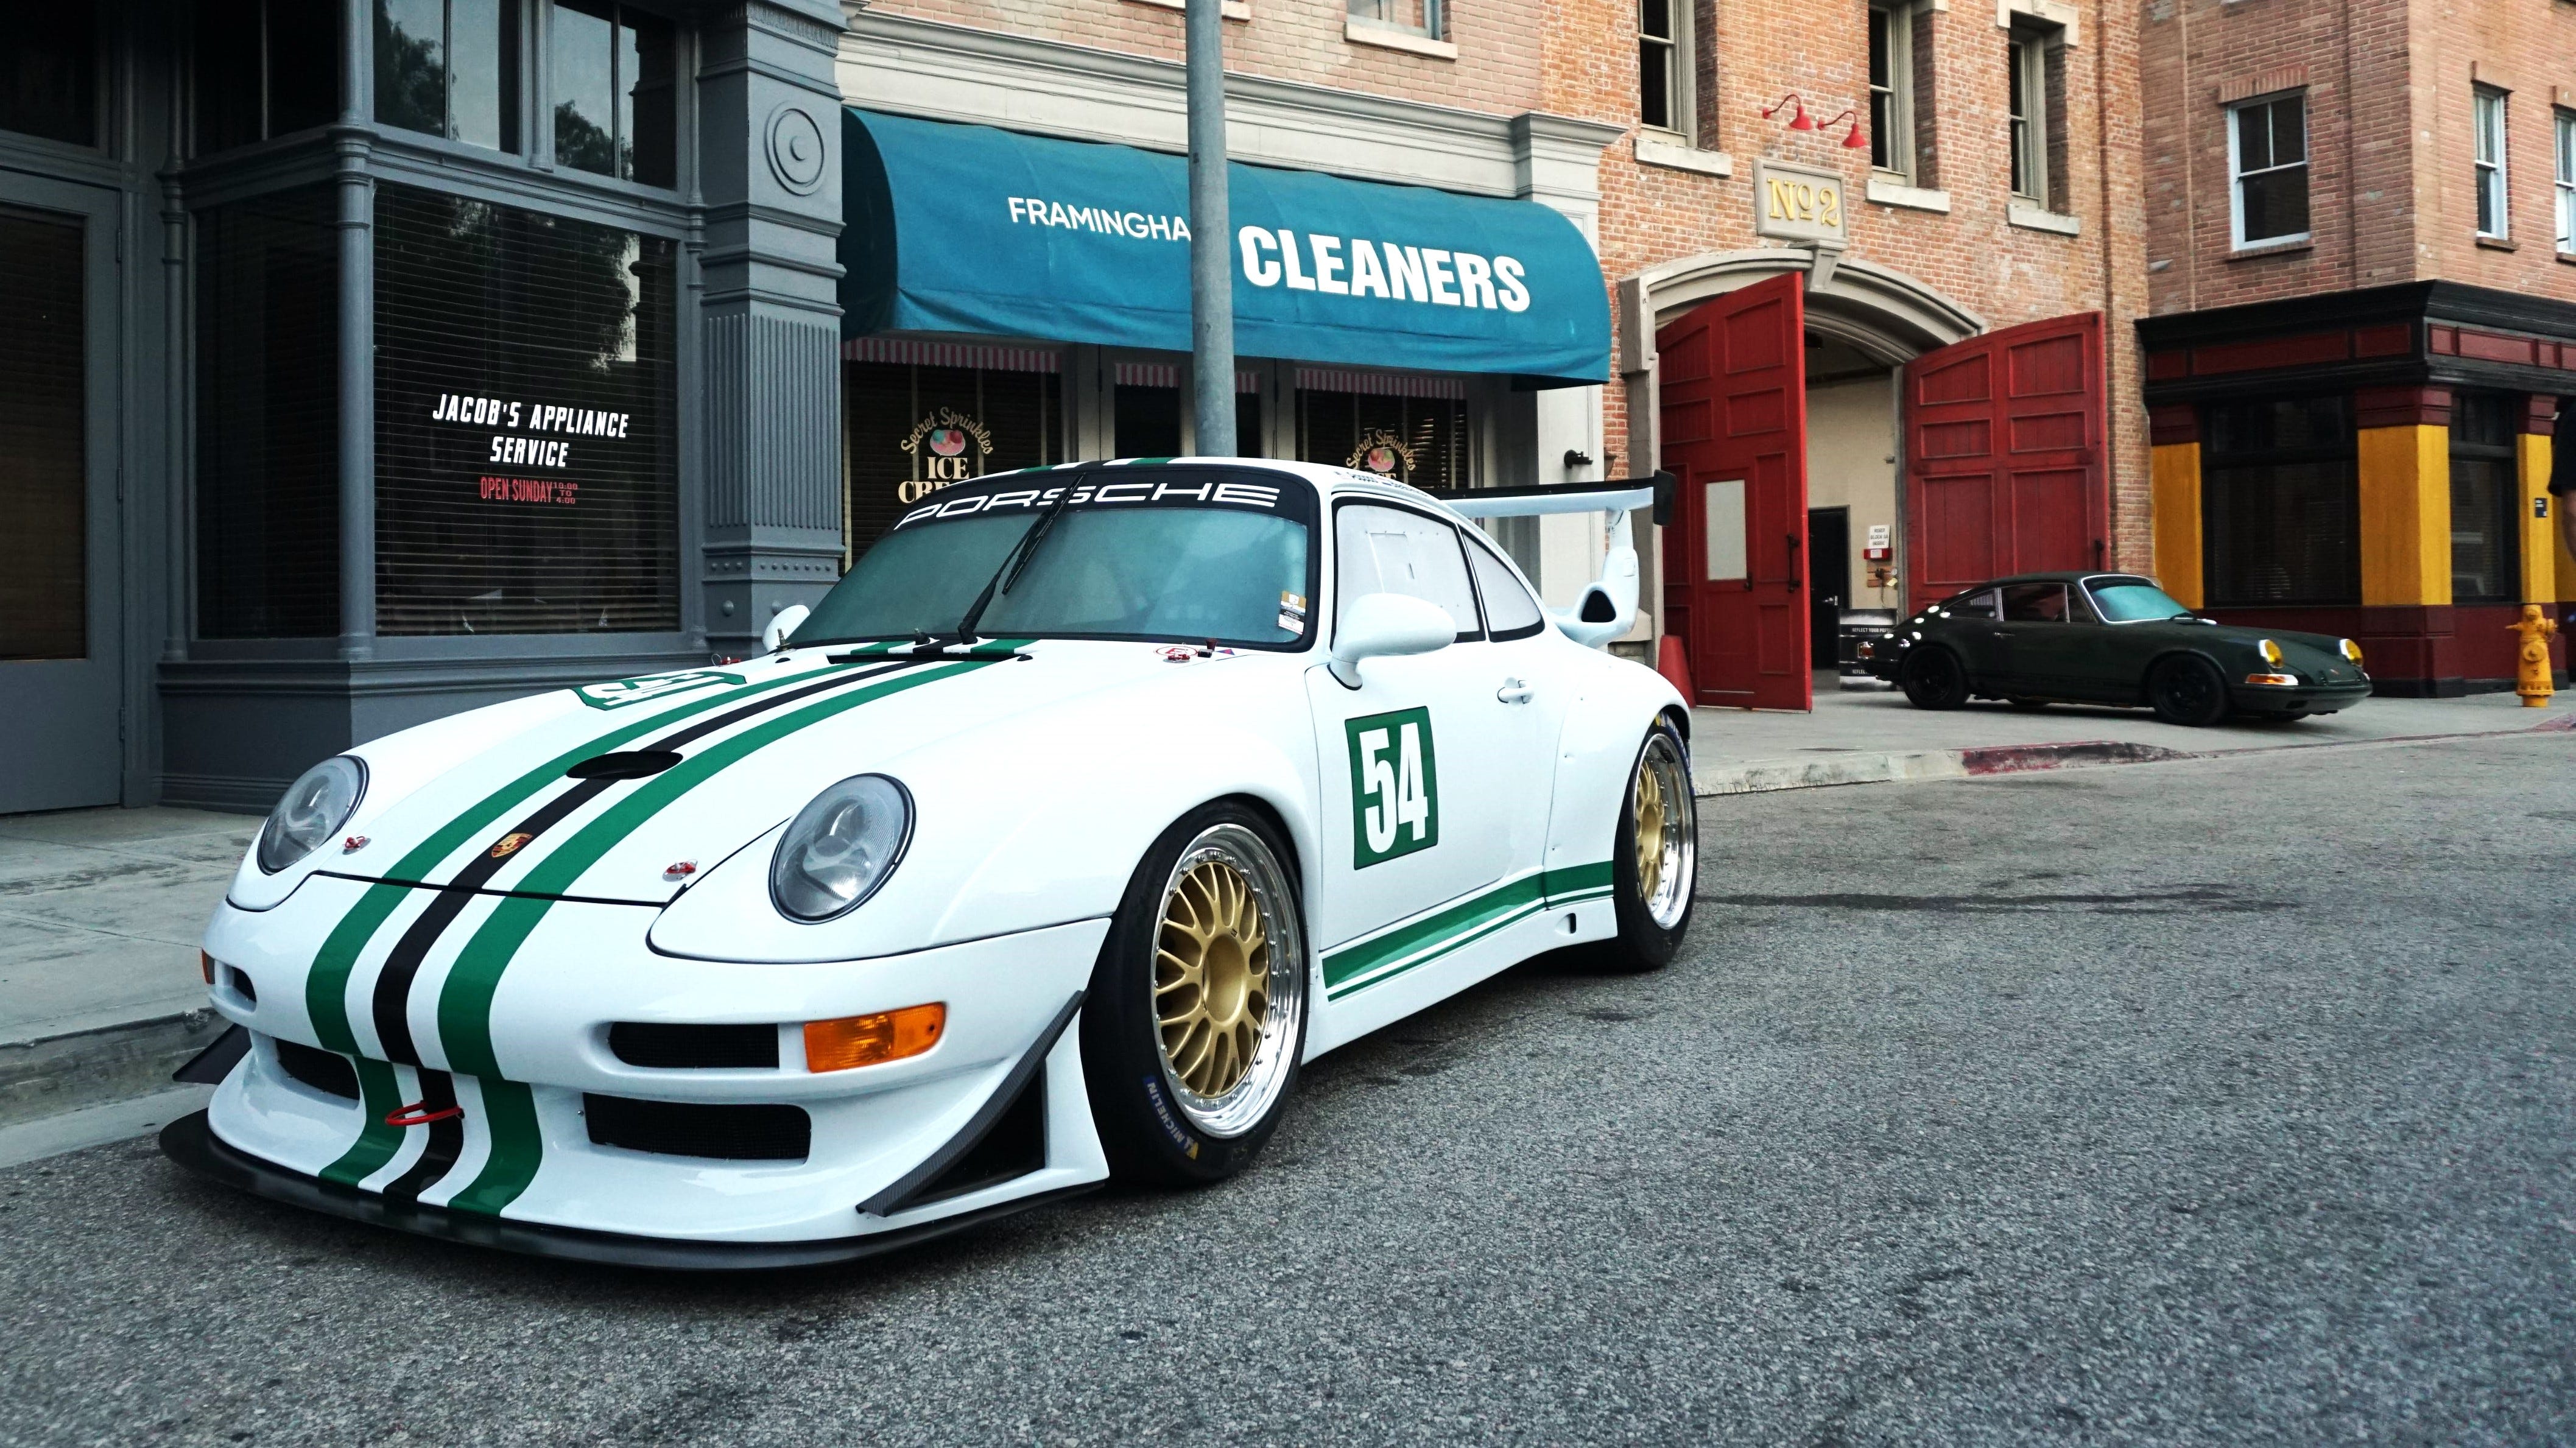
{"points": [[1395, 786]]}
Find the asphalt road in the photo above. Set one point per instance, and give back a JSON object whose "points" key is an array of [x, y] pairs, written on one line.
{"points": [[2219, 1102]]}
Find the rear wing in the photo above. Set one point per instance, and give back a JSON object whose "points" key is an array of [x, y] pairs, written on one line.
{"points": [[1608, 608], [1619, 495]]}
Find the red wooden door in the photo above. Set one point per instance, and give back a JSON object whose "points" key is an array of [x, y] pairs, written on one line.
{"points": [[1734, 376], [2003, 456]]}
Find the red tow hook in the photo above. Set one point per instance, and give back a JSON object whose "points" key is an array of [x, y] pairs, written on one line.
{"points": [[417, 1114]]}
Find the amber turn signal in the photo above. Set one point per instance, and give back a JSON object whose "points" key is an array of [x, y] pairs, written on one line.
{"points": [[873, 1040], [2282, 679]]}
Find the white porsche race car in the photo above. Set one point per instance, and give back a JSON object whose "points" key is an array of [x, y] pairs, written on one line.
{"points": [[1087, 807]]}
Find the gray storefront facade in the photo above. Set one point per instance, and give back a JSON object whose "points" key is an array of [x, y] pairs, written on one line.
{"points": [[366, 360]]}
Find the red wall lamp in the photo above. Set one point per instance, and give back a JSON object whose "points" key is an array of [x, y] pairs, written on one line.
{"points": [[1799, 120]]}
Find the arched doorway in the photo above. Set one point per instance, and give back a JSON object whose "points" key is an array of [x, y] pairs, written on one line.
{"points": [[1848, 438]]}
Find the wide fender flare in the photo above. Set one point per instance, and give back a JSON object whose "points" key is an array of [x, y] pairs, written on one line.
{"points": [[1604, 728]]}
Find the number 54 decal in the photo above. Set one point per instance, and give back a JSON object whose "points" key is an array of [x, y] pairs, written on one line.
{"points": [[1395, 786]]}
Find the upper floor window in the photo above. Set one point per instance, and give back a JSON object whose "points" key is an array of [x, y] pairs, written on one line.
{"points": [[451, 68], [49, 70], [2268, 152], [615, 80], [1660, 57], [265, 68], [2566, 182], [1891, 88], [2026, 79], [1421, 17], [2494, 218]]}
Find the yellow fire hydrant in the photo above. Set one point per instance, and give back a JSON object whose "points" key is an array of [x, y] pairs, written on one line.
{"points": [[2534, 685]]}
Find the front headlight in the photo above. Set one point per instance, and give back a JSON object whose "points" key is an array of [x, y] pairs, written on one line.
{"points": [[840, 848], [2352, 651], [2270, 651], [315, 807]]}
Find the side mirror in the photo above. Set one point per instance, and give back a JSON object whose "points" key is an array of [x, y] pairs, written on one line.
{"points": [[774, 637], [1381, 624]]}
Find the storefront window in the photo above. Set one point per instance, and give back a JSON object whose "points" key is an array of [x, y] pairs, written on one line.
{"points": [[451, 68], [265, 68], [1411, 429], [2279, 502], [526, 477], [924, 415], [268, 414], [49, 70], [44, 485], [613, 81], [2485, 488]]}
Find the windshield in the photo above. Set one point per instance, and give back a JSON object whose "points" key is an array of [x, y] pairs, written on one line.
{"points": [[2128, 600], [1191, 555]]}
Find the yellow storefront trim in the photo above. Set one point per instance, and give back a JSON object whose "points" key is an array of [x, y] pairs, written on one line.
{"points": [[2405, 515], [2173, 479], [2540, 546]]}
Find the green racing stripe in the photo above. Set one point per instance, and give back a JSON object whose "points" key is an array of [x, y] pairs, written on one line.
{"points": [[465, 998], [326, 985], [1460, 923]]}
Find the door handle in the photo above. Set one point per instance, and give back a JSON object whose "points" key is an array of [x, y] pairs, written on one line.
{"points": [[1513, 691]]}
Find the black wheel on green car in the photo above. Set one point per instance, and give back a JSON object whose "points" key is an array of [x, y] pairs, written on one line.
{"points": [[1197, 1010], [1933, 678], [2187, 689], [1654, 863]]}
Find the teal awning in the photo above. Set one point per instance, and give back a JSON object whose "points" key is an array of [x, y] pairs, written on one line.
{"points": [[971, 229]]}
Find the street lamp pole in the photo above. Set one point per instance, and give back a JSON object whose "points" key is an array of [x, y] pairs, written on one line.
{"points": [[1211, 262]]}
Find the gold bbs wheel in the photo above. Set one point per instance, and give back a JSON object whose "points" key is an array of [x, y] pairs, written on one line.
{"points": [[1228, 980], [1666, 830]]}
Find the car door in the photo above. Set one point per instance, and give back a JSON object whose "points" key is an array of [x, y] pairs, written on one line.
{"points": [[1425, 765], [1972, 624], [2037, 644], [1531, 681]]}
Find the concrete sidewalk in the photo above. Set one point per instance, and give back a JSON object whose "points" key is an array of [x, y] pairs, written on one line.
{"points": [[100, 912], [1874, 736]]}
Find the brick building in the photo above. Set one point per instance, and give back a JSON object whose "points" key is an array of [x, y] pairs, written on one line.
{"points": [[2363, 316], [1908, 325]]}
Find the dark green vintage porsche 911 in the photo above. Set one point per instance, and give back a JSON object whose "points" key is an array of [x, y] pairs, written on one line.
{"points": [[2109, 638]]}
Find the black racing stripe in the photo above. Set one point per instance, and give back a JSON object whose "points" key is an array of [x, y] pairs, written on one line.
{"points": [[402, 966], [446, 1140], [392, 996]]}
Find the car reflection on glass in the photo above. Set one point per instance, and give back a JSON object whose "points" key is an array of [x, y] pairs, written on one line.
{"points": [[2109, 638]]}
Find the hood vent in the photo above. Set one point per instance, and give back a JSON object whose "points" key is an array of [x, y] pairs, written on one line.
{"points": [[625, 764]]}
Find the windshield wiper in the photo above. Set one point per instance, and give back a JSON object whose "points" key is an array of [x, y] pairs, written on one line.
{"points": [[1013, 563]]}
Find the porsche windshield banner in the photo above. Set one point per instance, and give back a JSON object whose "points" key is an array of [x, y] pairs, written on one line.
{"points": [[1119, 485]]}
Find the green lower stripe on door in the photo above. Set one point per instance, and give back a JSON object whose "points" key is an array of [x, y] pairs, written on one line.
{"points": [[1458, 924]]}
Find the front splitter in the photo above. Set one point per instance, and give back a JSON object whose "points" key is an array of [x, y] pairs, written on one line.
{"points": [[192, 1143]]}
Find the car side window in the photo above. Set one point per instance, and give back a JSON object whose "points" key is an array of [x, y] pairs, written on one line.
{"points": [[1980, 604], [1396, 550], [1510, 612], [2035, 603]]}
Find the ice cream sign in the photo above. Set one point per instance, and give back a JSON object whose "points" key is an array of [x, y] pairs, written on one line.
{"points": [[946, 447]]}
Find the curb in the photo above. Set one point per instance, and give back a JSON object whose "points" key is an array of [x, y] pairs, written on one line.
{"points": [[55, 1074], [1761, 776]]}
